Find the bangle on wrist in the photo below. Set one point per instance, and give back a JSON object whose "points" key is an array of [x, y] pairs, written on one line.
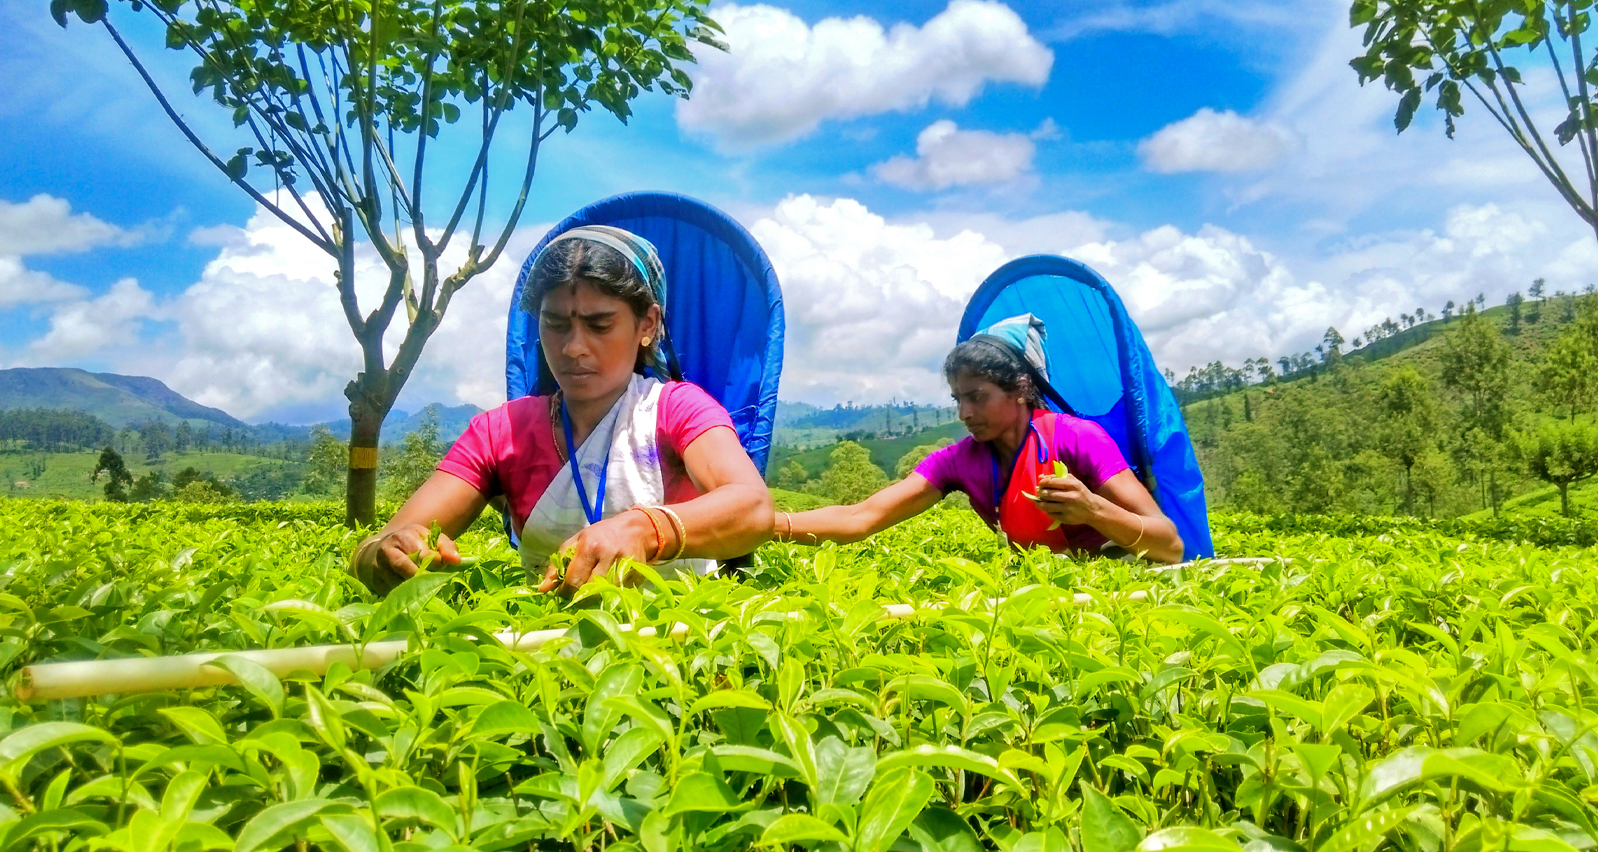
{"points": [[677, 527], [660, 538]]}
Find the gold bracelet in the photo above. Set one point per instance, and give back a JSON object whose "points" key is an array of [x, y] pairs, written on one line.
{"points": [[682, 532], [660, 538], [1141, 528], [789, 518]]}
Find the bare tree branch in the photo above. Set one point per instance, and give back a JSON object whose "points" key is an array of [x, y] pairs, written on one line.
{"points": [[194, 140]]}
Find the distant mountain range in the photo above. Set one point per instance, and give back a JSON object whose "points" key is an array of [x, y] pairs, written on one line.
{"points": [[134, 400], [118, 400]]}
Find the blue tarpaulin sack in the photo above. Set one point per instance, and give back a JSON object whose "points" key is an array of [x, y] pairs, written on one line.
{"points": [[724, 313], [1103, 372]]}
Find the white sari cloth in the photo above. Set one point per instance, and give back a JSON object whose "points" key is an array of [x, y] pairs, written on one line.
{"points": [[633, 478]]}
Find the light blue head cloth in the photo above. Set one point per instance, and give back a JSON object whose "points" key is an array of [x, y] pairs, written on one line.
{"points": [[1021, 335], [641, 253]]}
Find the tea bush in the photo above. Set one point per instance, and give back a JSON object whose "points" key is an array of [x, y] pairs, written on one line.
{"points": [[1390, 686]]}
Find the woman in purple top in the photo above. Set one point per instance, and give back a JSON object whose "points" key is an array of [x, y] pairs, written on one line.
{"points": [[1097, 506]]}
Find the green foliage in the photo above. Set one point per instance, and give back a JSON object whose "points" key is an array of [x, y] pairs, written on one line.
{"points": [[907, 462], [1454, 51], [1560, 454], [791, 477], [851, 478], [339, 102], [1409, 422], [1386, 681], [116, 473], [329, 464], [1568, 376], [405, 470]]}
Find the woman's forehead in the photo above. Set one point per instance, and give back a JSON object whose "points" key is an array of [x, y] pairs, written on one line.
{"points": [[965, 382], [580, 297]]}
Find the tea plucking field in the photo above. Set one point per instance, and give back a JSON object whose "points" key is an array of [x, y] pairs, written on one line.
{"points": [[1378, 683]]}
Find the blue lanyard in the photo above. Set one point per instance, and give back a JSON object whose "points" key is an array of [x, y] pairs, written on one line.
{"points": [[593, 511], [998, 496]]}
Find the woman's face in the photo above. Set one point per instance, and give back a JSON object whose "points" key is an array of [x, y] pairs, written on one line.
{"points": [[984, 407], [591, 341]]}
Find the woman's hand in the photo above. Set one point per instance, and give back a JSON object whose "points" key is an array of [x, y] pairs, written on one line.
{"points": [[1068, 500], [596, 548], [392, 558]]}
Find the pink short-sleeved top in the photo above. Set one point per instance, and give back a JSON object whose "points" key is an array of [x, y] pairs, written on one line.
{"points": [[1086, 449], [510, 450]]}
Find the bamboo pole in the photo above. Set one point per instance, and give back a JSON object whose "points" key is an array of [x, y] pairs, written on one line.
{"points": [[190, 671]]}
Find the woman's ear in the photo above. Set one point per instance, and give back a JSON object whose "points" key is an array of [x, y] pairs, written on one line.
{"points": [[650, 326]]}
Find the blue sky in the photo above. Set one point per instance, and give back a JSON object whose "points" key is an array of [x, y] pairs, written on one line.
{"points": [[1217, 162]]}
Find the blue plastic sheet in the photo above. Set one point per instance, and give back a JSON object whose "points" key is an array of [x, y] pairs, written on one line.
{"points": [[1103, 369], [724, 311]]}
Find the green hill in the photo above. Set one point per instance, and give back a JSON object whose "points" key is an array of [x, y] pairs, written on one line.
{"points": [[1317, 442], [118, 400]]}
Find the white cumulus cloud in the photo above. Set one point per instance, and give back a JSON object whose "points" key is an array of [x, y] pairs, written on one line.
{"points": [[1210, 141], [45, 224], [20, 285], [262, 334], [81, 328], [781, 78], [871, 306], [948, 156]]}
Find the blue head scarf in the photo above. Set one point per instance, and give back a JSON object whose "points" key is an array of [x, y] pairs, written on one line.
{"points": [[1021, 337], [641, 253]]}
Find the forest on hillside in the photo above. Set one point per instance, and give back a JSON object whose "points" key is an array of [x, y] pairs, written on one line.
{"points": [[1478, 410]]}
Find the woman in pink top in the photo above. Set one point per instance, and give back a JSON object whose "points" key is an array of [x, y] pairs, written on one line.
{"points": [[1097, 506], [615, 464]]}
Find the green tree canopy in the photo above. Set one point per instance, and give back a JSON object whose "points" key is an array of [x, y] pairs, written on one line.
{"points": [[116, 472], [1454, 51], [1561, 453], [1409, 421], [851, 477], [405, 469], [334, 106]]}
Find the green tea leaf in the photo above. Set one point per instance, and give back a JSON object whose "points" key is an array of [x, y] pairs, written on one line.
{"points": [[1104, 827]]}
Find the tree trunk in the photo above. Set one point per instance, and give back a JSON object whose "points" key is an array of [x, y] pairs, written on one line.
{"points": [[360, 496], [1409, 490], [1564, 499]]}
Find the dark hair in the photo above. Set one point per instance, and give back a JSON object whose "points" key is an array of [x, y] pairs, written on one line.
{"points": [[568, 261], [989, 362]]}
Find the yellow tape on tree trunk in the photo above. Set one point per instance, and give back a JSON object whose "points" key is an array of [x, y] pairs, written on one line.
{"points": [[363, 458]]}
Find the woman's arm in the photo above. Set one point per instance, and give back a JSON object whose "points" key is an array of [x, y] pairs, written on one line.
{"points": [[844, 524], [1122, 509], [731, 517], [388, 558]]}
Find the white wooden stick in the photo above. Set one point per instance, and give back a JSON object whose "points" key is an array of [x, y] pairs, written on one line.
{"points": [[189, 671]]}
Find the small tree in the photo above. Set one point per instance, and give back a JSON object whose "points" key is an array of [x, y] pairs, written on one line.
{"points": [[1409, 423], [156, 437], [327, 460], [1514, 302], [1475, 362], [183, 437], [324, 95], [1568, 375], [1455, 48], [851, 477], [907, 462], [1560, 454], [117, 477], [404, 471], [150, 486], [1535, 291], [792, 476]]}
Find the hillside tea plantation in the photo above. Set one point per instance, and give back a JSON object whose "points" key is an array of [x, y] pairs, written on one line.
{"points": [[1381, 684]]}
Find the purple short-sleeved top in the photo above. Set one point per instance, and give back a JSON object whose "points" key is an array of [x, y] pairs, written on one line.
{"points": [[1087, 450]]}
